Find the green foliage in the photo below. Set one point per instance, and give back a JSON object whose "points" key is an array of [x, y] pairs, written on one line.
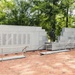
{"points": [[49, 14]]}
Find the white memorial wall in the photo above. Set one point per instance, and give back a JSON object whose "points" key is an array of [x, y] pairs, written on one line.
{"points": [[14, 38], [67, 34], [65, 41]]}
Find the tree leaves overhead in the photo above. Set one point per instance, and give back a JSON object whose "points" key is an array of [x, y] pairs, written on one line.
{"points": [[50, 14]]}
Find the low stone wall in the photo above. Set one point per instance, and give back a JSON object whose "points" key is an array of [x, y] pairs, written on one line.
{"points": [[65, 40]]}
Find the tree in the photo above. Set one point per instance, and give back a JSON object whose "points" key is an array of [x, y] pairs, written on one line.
{"points": [[49, 14], [20, 13], [15, 12], [6, 7], [65, 7], [46, 12]]}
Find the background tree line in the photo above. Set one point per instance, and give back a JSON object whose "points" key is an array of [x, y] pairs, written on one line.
{"points": [[49, 14]]}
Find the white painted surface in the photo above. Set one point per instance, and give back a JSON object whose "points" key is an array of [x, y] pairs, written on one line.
{"points": [[14, 38], [65, 40]]}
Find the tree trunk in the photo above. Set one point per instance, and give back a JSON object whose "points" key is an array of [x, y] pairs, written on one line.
{"points": [[67, 17], [54, 20]]}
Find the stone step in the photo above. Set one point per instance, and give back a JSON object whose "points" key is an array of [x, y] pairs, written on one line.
{"points": [[52, 52], [12, 57]]}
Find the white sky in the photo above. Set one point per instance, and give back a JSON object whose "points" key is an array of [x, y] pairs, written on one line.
{"points": [[74, 12]]}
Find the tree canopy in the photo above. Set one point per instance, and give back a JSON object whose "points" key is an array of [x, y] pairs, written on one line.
{"points": [[49, 14]]}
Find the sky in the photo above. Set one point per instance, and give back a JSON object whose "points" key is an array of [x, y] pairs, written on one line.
{"points": [[73, 12]]}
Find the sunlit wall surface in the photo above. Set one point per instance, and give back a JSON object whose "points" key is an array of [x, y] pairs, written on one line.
{"points": [[14, 38]]}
